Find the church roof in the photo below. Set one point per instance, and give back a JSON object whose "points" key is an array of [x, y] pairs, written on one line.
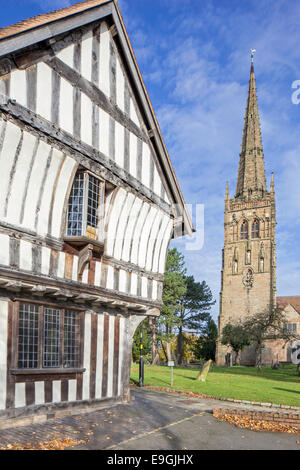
{"points": [[251, 175], [294, 301]]}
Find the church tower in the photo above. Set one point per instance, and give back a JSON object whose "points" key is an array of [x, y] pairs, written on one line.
{"points": [[248, 277]]}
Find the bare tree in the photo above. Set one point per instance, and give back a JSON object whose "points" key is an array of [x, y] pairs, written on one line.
{"points": [[264, 326]]}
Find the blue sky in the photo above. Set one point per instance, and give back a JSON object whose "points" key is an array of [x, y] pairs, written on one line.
{"points": [[195, 60]]}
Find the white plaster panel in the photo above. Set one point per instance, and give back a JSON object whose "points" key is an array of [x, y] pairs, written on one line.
{"points": [[133, 287], [18, 86], [145, 236], [66, 106], [120, 86], [3, 352], [39, 393], [104, 58], [157, 182], [119, 145], [137, 233], [45, 264], [44, 91], [121, 354], [86, 55], [152, 239], [158, 244], [67, 55], [34, 185], [122, 280], [61, 264], [43, 220], [113, 220], [154, 290], [10, 144], [110, 374], [86, 119], [56, 391], [103, 132], [99, 363], [75, 269], [164, 248], [85, 274], [130, 227], [25, 255], [122, 225], [132, 154], [72, 390], [144, 287], [87, 357], [19, 180], [110, 277], [133, 114], [97, 273], [146, 166], [4, 249], [20, 399]]}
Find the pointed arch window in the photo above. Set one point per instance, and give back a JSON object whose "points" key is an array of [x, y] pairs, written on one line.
{"points": [[244, 230], [255, 229]]}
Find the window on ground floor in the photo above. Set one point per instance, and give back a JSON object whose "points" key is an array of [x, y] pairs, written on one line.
{"points": [[48, 337]]}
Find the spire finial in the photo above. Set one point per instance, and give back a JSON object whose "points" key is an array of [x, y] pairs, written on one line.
{"points": [[252, 55]]}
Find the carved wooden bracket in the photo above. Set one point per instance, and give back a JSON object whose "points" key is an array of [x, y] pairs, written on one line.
{"points": [[84, 256]]}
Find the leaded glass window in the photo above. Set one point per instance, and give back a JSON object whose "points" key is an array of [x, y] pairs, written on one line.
{"points": [[48, 337], [85, 206], [28, 336]]}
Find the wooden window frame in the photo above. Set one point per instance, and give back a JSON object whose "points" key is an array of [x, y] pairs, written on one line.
{"points": [[81, 240], [40, 369]]}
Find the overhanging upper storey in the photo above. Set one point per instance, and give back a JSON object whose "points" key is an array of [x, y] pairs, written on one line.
{"points": [[63, 48]]}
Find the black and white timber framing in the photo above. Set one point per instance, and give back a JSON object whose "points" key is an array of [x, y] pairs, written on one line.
{"points": [[72, 100]]}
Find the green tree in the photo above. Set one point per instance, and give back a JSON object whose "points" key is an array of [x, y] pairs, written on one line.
{"points": [[193, 310], [174, 289], [147, 343], [235, 336], [205, 347]]}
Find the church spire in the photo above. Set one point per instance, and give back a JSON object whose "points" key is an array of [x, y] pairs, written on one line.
{"points": [[251, 175]]}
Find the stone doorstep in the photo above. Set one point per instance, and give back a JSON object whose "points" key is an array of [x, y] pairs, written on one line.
{"points": [[230, 400]]}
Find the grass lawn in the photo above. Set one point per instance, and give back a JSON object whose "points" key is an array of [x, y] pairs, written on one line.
{"points": [[243, 383]]}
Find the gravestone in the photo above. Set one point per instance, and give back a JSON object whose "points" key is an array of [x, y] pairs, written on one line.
{"points": [[205, 369]]}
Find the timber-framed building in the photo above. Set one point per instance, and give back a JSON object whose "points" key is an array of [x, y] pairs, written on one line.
{"points": [[88, 204]]}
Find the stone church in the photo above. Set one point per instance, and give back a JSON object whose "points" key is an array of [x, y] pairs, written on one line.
{"points": [[88, 204], [248, 277]]}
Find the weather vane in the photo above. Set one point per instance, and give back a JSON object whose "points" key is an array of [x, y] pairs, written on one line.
{"points": [[252, 54]]}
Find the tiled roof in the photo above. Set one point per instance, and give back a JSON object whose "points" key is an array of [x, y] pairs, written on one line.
{"points": [[40, 20], [294, 301]]}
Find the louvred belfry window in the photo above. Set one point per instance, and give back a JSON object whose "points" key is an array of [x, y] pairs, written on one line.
{"points": [[85, 207], [244, 230]]}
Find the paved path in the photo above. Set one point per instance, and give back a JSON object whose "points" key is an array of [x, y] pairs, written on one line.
{"points": [[155, 421]]}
